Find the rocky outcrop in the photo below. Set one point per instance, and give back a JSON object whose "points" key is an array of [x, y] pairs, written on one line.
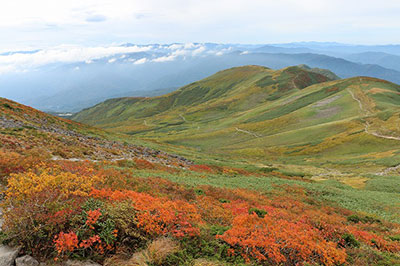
{"points": [[80, 263], [26, 261], [8, 255]]}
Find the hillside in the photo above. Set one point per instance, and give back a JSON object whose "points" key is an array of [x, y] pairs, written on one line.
{"points": [[25, 130], [233, 90], [293, 115], [72, 191]]}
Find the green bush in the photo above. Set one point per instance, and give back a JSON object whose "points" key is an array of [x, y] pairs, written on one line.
{"points": [[224, 201], [199, 191], [260, 213], [395, 238], [292, 174], [6, 105], [348, 240], [363, 219], [268, 169], [218, 229]]}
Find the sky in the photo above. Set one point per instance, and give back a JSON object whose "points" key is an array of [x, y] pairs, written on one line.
{"points": [[47, 23]]}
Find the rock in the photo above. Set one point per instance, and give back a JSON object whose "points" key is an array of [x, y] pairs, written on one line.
{"points": [[8, 255], [80, 263], [26, 261]]}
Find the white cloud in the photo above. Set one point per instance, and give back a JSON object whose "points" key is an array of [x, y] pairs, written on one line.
{"points": [[221, 51], [175, 46], [71, 54], [140, 61], [198, 51], [165, 58], [63, 54], [7, 69], [181, 50]]}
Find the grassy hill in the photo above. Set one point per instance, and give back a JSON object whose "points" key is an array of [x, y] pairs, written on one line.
{"points": [[293, 116], [236, 89]]}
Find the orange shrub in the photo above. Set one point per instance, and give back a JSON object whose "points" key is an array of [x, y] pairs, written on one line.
{"points": [[158, 216], [376, 241], [143, 164], [66, 242], [201, 168], [213, 212], [92, 218], [11, 162], [279, 241]]}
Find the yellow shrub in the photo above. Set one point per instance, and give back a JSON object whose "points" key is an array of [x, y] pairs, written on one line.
{"points": [[24, 185]]}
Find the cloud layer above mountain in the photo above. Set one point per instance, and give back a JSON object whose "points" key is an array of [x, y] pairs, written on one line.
{"points": [[97, 22], [27, 61]]}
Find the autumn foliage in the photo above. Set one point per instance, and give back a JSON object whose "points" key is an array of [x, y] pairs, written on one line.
{"points": [[85, 209], [279, 241], [157, 216]]}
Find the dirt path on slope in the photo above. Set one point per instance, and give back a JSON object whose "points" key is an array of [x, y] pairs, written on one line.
{"points": [[247, 132], [183, 118], [367, 113]]}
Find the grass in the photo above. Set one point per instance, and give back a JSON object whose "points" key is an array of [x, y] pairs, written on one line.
{"points": [[385, 204]]}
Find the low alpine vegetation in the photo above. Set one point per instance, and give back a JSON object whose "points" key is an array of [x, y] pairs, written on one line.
{"points": [[62, 209]]}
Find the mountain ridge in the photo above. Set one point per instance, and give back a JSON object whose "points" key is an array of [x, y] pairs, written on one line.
{"points": [[288, 113]]}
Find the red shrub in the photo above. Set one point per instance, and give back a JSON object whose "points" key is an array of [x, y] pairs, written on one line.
{"points": [[279, 241], [201, 168], [66, 242], [158, 216], [143, 164]]}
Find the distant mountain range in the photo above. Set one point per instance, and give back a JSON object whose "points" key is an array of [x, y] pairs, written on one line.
{"points": [[70, 80]]}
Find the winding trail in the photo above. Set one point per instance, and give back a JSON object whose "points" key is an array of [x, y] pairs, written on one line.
{"points": [[247, 132], [367, 124], [387, 171], [377, 134], [181, 116], [354, 97]]}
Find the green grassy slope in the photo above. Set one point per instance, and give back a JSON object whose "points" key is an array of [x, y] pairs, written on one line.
{"points": [[227, 92], [292, 116]]}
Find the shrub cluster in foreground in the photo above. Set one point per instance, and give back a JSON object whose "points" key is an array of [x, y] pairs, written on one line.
{"points": [[61, 209]]}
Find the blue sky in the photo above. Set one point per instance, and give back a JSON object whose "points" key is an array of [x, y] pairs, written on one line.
{"points": [[46, 23]]}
